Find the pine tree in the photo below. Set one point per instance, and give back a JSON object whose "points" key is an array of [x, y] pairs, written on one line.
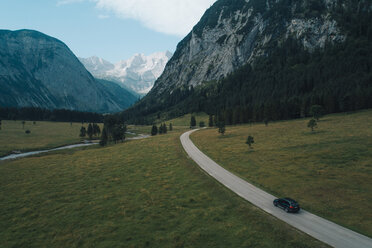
{"points": [[210, 123], [170, 127], [96, 130], [250, 141], [154, 130], [118, 133], [165, 128], [316, 111], [221, 127], [215, 120], [90, 131], [312, 124], [104, 138], [83, 132], [193, 121], [23, 124], [160, 129]]}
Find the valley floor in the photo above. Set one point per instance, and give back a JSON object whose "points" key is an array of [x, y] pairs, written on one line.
{"points": [[135, 194]]}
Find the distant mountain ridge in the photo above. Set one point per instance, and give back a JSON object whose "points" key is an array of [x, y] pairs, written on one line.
{"points": [[37, 70], [137, 73]]}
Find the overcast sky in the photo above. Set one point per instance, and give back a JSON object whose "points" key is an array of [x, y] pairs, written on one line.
{"points": [[110, 29]]}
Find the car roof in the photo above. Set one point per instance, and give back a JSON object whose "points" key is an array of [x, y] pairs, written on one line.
{"points": [[290, 200]]}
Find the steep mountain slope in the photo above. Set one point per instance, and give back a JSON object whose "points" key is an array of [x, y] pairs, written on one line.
{"points": [[40, 71], [223, 63], [137, 73]]}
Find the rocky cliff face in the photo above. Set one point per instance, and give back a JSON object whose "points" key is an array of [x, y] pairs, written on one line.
{"points": [[255, 59], [40, 71], [234, 33]]}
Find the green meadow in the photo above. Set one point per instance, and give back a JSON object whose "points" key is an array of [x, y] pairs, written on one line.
{"points": [[143, 193], [329, 171], [43, 135]]}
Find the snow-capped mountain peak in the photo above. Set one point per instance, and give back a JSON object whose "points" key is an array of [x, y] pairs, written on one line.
{"points": [[96, 65], [137, 73]]}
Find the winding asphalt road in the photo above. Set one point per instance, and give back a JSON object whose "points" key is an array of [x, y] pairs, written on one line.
{"points": [[317, 227]]}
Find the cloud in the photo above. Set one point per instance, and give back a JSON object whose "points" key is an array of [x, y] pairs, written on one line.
{"points": [[103, 16], [174, 17]]}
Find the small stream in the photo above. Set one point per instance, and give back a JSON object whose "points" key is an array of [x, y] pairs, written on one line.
{"points": [[26, 154]]}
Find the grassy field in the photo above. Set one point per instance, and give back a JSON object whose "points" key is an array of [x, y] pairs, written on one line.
{"points": [[143, 193], [43, 135], [185, 120], [328, 171]]}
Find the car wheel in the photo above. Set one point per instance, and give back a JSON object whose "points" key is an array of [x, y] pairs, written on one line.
{"points": [[286, 209], [275, 204]]}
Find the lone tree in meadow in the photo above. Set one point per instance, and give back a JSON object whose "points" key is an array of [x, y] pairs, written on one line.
{"points": [[154, 130], [104, 138], [160, 129], [83, 132], [23, 124], [221, 127], [312, 124], [165, 130], [90, 131], [210, 122], [316, 111], [96, 130], [193, 121], [170, 127], [118, 132], [250, 141]]}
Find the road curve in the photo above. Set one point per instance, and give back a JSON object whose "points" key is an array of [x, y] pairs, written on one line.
{"points": [[317, 227]]}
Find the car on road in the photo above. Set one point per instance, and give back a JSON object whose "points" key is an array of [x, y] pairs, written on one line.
{"points": [[287, 204]]}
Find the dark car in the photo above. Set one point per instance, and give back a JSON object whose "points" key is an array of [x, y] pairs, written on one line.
{"points": [[288, 204]]}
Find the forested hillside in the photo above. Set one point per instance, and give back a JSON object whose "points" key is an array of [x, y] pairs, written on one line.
{"points": [[288, 77]]}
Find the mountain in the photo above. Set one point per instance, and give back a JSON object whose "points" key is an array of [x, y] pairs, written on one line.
{"points": [[40, 71], [137, 73], [97, 66], [252, 60]]}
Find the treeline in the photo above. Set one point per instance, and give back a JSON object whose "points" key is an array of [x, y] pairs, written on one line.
{"points": [[284, 84], [39, 114], [290, 81]]}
